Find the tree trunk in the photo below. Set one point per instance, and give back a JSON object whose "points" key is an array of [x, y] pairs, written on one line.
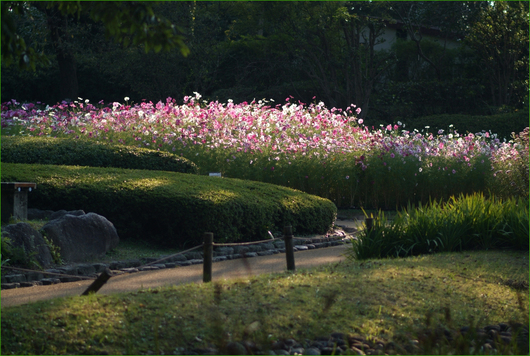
{"points": [[68, 76], [58, 26]]}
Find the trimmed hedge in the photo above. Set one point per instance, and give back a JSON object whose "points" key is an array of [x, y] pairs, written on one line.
{"points": [[502, 124], [49, 150], [174, 209]]}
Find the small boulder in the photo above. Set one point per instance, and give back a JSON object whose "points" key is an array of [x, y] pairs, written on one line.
{"points": [[22, 235], [81, 238]]}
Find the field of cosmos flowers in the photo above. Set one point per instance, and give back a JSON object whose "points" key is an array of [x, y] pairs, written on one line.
{"points": [[319, 150]]}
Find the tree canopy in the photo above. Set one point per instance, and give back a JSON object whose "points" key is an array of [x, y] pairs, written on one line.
{"points": [[124, 21], [333, 52], [500, 39]]}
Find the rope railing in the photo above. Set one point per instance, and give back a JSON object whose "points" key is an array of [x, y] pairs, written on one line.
{"points": [[207, 246], [50, 273], [214, 244], [268, 240], [174, 255], [245, 243], [309, 238]]}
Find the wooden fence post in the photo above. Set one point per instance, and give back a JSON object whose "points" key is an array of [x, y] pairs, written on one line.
{"points": [[98, 283], [289, 247], [208, 257]]}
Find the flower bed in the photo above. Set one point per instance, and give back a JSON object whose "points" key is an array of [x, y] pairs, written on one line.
{"points": [[322, 151]]}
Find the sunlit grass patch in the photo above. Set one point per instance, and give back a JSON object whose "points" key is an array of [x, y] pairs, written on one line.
{"points": [[385, 299]]}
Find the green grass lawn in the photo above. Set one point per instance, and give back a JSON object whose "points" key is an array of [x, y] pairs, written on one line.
{"points": [[388, 299]]}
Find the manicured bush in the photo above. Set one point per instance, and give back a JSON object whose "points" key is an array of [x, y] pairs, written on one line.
{"points": [[174, 209], [501, 124], [464, 223], [49, 150]]}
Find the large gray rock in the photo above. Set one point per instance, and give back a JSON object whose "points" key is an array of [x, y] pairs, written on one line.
{"points": [[22, 235], [82, 237]]}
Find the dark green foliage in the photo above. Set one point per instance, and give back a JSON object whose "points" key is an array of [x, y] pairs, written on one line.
{"points": [[6, 247], [125, 22], [47, 150], [500, 39], [501, 124], [17, 255], [174, 209]]}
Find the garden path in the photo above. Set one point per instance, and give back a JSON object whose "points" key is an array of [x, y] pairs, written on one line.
{"points": [[231, 269]]}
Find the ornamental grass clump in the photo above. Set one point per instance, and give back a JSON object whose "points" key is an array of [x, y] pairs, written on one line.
{"points": [[323, 151], [464, 223], [514, 230]]}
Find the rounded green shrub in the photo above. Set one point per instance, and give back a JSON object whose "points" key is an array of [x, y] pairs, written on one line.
{"points": [[49, 150], [174, 209]]}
